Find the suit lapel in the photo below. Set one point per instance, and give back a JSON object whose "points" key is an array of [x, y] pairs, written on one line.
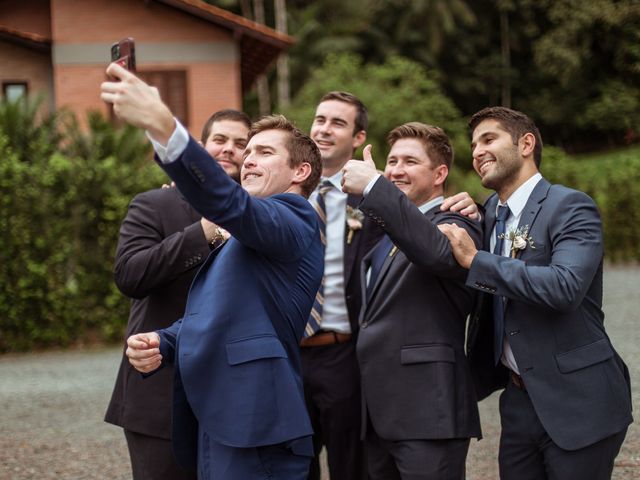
{"points": [[490, 221], [532, 207], [530, 212], [351, 249], [389, 261], [383, 270]]}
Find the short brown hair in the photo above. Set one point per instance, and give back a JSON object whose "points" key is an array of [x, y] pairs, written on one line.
{"points": [[513, 122], [362, 117], [300, 147], [436, 143], [227, 114]]}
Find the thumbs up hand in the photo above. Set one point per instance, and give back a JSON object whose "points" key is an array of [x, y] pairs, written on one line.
{"points": [[357, 174]]}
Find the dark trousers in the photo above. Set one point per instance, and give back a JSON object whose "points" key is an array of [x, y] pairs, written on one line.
{"points": [[152, 458], [332, 394], [527, 452], [271, 462], [415, 459]]}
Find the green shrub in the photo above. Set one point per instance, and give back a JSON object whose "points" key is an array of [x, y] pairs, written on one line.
{"points": [[60, 215], [395, 92]]}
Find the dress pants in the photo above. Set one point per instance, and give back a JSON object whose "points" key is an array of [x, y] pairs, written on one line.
{"points": [[332, 394], [152, 458], [527, 452], [415, 459], [285, 461]]}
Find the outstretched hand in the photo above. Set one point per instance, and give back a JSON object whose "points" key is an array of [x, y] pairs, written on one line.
{"points": [[464, 250], [137, 103], [143, 351], [357, 174]]}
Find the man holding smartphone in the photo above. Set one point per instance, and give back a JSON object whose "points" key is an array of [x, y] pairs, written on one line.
{"points": [[238, 411], [163, 241]]}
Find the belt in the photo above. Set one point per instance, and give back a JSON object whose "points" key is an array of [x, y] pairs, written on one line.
{"points": [[325, 338], [518, 382]]}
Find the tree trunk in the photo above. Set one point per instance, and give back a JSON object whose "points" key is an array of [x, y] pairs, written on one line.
{"points": [[262, 83], [506, 58], [284, 95]]}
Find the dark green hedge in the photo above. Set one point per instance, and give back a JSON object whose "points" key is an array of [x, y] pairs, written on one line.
{"points": [[61, 205], [59, 217]]}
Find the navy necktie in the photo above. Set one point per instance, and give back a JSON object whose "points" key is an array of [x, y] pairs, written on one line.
{"points": [[498, 302], [377, 260], [315, 318]]}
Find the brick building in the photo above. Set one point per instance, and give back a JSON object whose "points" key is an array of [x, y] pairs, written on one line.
{"points": [[202, 58]]}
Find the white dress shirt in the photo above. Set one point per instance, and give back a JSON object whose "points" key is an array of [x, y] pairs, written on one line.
{"points": [[334, 311], [175, 146], [516, 203]]}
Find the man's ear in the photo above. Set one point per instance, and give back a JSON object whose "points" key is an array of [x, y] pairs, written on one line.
{"points": [[301, 173], [441, 172], [358, 139], [527, 144]]}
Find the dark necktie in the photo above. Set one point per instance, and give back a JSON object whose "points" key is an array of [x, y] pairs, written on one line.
{"points": [[377, 260], [315, 318], [498, 302]]}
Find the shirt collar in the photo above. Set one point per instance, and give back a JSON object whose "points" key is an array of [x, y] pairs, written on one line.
{"points": [[425, 207], [335, 179], [519, 198]]}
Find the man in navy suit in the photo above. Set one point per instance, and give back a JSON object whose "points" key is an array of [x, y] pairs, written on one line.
{"points": [[239, 409], [163, 241], [539, 325]]}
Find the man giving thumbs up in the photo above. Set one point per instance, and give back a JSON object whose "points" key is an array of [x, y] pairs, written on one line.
{"points": [[420, 407]]}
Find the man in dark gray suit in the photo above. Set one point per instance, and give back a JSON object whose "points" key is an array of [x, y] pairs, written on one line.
{"points": [[163, 241], [539, 327], [420, 408]]}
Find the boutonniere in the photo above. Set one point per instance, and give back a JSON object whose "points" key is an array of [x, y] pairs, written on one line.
{"points": [[520, 239], [355, 217]]}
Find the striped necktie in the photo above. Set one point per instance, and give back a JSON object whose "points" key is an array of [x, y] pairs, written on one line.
{"points": [[498, 302], [315, 318]]}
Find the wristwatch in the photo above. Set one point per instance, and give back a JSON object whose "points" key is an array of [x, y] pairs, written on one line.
{"points": [[217, 239]]}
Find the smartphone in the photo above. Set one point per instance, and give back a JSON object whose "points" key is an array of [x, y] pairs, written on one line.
{"points": [[124, 53]]}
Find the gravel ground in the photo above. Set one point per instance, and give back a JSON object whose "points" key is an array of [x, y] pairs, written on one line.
{"points": [[52, 406]]}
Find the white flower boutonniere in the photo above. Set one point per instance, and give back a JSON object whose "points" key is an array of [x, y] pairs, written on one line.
{"points": [[520, 239], [355, 217]]}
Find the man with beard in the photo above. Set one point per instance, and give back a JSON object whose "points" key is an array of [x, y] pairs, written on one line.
{"points": [[539, 326], [163, 241]]}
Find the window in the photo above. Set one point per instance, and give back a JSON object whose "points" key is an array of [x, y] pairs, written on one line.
{"points": [[172, 85], [12, 91]]}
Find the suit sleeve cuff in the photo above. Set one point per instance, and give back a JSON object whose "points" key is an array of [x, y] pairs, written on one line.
{"points": [[175, 147], [370, 185]]}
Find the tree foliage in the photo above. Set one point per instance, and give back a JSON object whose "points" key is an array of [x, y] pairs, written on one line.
{"points": [[394, 92], [572, 65], [60, 215]]}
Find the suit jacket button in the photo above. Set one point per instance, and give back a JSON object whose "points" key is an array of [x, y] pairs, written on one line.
{"points": [[515, 332], [364, 325]]}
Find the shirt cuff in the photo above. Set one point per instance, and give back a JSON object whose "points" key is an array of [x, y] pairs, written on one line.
{"points": [[369, 186], [173, 149]]}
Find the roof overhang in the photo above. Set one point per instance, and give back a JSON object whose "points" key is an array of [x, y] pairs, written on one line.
{"points": [[30, 40], [259, 44]]}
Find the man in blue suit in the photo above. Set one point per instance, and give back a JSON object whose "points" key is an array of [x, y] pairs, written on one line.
{"points": [[539, 325], [239, 410]]}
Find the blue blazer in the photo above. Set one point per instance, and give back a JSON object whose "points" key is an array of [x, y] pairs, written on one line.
{"points": [[237, 345], [578, 384]]}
